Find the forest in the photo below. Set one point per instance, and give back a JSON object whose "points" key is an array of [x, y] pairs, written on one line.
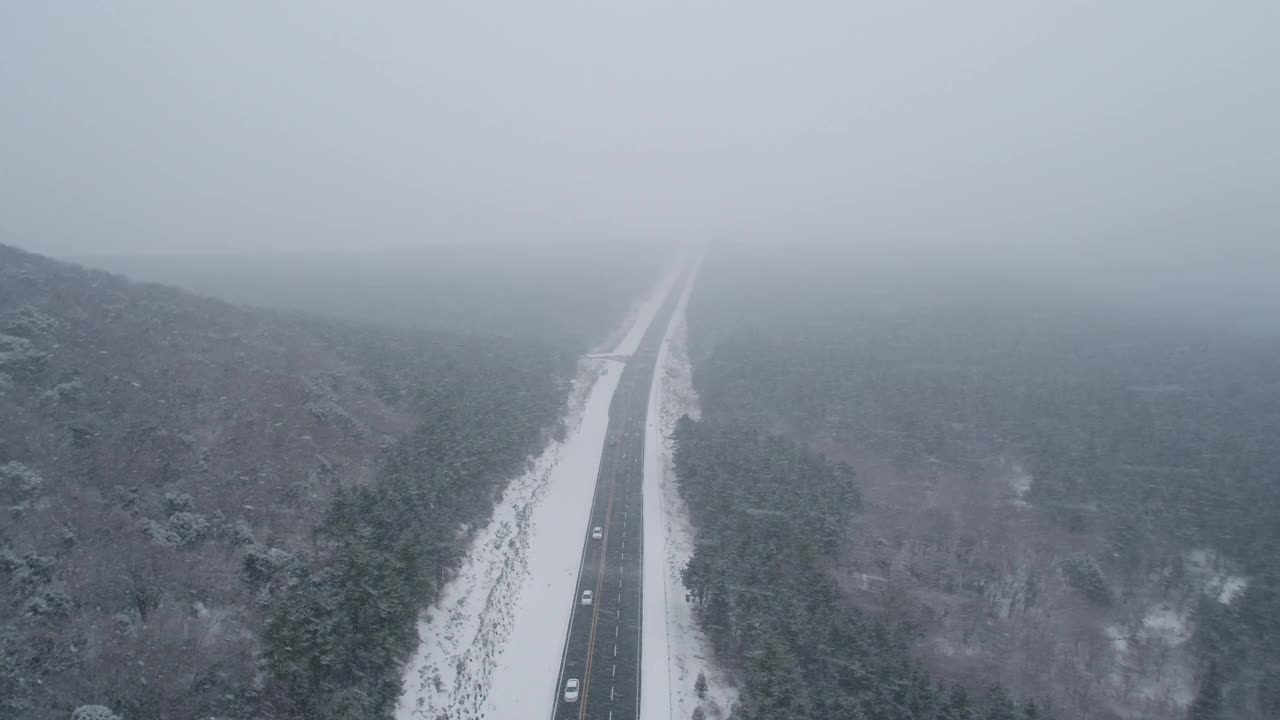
{"points": [[1065, 499], [216, 511], [327, 314], [771, 518], [566, 291]]}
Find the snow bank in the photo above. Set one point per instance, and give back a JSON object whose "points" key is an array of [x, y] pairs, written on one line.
{"points": [[674, 648], [490, 646], [524, 671], [486, 622]]}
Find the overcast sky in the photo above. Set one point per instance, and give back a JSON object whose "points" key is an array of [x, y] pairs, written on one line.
{"points": [[131, 126]]}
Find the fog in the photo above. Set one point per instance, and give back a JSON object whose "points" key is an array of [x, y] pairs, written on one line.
{"points": [[932, 350], [159, 127]]}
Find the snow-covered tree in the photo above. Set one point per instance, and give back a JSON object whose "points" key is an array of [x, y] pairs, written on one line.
{"points": [[93, 712]]}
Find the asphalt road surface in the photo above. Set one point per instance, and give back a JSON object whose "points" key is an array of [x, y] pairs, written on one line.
{"points": [[602, 646]]}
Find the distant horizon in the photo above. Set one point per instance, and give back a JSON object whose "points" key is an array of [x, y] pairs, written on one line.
{"points": [[156, 128]]}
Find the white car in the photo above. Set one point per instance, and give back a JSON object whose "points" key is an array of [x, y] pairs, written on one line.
{"points": [[586, 597], [597, 532], [571, 690]]}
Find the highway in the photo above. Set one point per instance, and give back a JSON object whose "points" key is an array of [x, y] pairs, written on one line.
{"points": [[602, 644]]}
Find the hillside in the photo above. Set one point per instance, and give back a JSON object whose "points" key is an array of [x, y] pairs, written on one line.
{"points": [[572, 293], [1068, 498], [213, 511]]}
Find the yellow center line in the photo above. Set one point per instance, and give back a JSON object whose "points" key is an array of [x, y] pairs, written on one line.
{"points": [[595, 601]]}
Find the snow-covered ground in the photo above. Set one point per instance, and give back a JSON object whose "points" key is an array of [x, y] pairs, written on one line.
{"points": [[490, 646], [1214, 575], [626, 338], [1155, 670], [674, 651]]}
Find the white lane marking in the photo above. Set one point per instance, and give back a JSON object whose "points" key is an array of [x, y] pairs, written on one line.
{"points": [[615, 633], [615, 649], [615, 671], [624, 556], [610, 693], [619, 582]]}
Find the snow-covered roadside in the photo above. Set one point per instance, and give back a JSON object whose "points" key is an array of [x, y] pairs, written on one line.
{"points": [[490, 645], [646, 311], [626, 337], [675, 650]]}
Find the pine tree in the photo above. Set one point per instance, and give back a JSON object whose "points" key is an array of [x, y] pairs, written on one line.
{"points": [[998, 705], [957, 706], [700, 686], [1208, 702]]}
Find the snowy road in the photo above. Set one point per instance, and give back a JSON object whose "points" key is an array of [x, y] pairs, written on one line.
{"points": [[490, 645], [602, 647]]}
